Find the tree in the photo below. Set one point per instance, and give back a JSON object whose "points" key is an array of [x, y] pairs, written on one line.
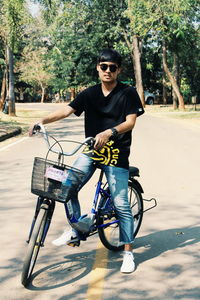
{"points": [[134, 35], [172, 79], [75, 40], [169, 22], [188, 54], [4, 81], [151, 33], [12, 16], [35, 68], [165, 22]]}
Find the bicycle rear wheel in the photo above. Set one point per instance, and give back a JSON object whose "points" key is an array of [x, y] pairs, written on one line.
{"points": [[34, 245], [109, 235]]}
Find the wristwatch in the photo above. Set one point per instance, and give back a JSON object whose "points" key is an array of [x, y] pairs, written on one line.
{"points": [[114, 132]]}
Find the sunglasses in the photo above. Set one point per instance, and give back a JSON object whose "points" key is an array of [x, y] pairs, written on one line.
{"points": [[112, 68]]}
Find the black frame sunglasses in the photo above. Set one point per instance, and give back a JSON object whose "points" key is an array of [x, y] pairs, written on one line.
{"points": [[112, 68]]}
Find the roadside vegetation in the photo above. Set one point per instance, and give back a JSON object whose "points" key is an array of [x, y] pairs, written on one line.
{"points": [[50, 56], [190, 116], [24, 118]]}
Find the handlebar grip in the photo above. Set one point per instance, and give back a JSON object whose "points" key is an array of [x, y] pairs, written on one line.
{"points": [[91, 143], [36, 128]]}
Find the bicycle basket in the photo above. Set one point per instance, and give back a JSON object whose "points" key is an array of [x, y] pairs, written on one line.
{"points": [[47, 178]]}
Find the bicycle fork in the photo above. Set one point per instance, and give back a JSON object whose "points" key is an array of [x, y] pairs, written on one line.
{"points": [[50, 208]]}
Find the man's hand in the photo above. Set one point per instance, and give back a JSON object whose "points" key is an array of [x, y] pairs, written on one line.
{"points": [[102, 138], [33, 128]]}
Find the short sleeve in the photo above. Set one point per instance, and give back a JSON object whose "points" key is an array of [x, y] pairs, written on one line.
{"points": [[133, 105], [78, 104]]}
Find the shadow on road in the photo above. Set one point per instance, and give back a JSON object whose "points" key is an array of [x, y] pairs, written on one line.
{"points": [[78, 265], [74, 267], [67, 128], [159, 242]]}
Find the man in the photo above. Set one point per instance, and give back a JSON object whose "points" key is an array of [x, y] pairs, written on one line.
{"points": [[111, 109]]}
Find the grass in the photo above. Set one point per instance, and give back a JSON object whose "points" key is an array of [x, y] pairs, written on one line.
{"points": [[169, 109], [24, 118], [189, 115]]}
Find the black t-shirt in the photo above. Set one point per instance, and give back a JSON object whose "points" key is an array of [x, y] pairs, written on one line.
{"points": [[102, 113]]}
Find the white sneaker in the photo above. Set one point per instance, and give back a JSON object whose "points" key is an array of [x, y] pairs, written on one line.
{"points": [[69, 237], [128, 265]]}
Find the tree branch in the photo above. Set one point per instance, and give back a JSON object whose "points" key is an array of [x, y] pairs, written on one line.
{"points": [[127, 40]]}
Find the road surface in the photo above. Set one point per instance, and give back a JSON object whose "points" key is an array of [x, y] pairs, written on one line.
{"points": [[167, 247]]}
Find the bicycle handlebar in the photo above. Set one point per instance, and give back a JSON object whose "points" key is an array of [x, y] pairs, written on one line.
{"points": [[40, 128]]}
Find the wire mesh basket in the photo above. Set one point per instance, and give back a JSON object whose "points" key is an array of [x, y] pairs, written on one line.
{"points": [[55, 181]]}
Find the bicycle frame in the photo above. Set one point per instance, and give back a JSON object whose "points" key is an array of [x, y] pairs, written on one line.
{"points": [[108, 204], [96, 207], [100, 191]]}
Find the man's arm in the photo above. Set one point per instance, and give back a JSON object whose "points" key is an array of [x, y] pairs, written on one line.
{"points": [[55, 116], [58, 115], [103, 137], [127, 125]]}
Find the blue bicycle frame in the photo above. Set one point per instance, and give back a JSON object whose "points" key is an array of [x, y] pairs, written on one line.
{"points": [[107, 207], [103, 206]]}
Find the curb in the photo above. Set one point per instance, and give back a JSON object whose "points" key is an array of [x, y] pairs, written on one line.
{"points": [[6, 134]]}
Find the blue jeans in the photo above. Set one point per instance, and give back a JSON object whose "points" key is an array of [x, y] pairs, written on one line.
{"points": [[118, 184]]}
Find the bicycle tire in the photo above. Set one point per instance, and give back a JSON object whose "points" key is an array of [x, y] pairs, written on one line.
{"points": [[34, 245], [109, 236]]}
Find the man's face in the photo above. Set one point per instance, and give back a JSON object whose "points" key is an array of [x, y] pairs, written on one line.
{"points": [[108, 71]]}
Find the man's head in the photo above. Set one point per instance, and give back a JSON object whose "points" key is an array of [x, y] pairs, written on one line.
{"points": [[110, 55], [108, 65]]}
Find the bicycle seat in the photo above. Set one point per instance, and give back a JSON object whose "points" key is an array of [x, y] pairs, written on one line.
{"points": [[133, 171]]}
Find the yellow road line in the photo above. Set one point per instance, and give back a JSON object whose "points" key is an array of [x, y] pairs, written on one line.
{"points": [[98, 273]]}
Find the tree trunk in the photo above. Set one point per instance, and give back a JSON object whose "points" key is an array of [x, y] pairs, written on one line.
{"points": [[137, 69], [135, 51], [21, 94], [172, 79], [164, 86], [11, 94], [177, 77], [43, 94], [57, 97], [3, 91], [73, 94]]}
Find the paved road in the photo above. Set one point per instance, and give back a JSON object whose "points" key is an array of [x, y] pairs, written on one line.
{"points": [[167, 246]]}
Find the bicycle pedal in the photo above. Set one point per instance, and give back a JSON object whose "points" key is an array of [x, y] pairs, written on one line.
{"points": [[74, 244]]}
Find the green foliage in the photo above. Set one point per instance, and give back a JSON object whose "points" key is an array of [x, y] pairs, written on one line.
{"points": [[72, 32], [12, 20], [77, 38], [175, 22]]}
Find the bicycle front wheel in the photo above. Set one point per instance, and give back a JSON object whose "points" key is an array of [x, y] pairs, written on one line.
{"points": [[34, 245], [110, 235]]}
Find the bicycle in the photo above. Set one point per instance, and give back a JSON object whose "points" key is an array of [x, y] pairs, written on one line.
{"points": [[47, 184]]}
